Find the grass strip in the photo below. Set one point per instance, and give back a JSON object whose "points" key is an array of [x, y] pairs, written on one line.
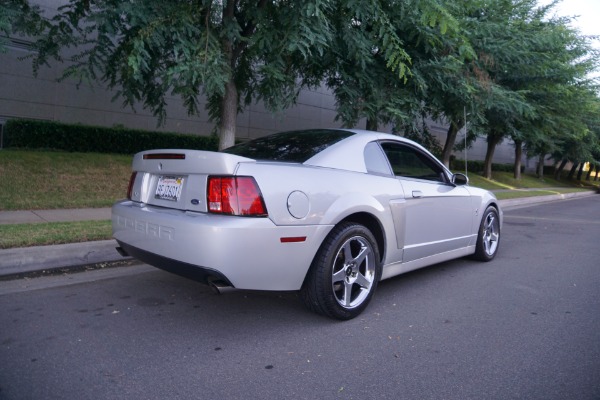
{"points": [[517, 194], [505, 180], [40, 234]]}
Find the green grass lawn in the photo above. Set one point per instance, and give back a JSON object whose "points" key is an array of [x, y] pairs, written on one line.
{"points": [[25, 235], [34, 180]]}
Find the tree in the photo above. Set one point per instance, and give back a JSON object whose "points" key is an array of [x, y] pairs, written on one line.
{"points": [[20, 18], [539, 75], [451, 78], [459, 77], [507, 63], [357, 70], [232, 52], [559, 90], [388, 62]]}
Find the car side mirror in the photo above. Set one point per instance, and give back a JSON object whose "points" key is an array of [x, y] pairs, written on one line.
{"points": [[460, 179]]}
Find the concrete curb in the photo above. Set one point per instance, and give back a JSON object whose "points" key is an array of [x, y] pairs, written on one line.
{"points": [[32, 259], [509, 203], [39, 258]]}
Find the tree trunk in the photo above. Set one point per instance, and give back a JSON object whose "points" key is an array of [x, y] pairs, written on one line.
{"points": [[229, 102], [372, 124], [450, 139], [597, 172], [590, 170], [580, 172], [518, 154], [493, 141], [560, 168], [572, 171], [540, 166], [229, 107]]}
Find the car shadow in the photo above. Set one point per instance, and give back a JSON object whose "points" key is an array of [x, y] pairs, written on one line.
{"points": [[158, 295]]}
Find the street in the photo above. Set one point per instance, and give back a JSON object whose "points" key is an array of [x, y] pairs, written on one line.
{"points": [[524, 326]]}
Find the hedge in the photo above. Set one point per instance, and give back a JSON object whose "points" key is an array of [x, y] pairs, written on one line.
{"points": [[29, 134], [478, 166]]}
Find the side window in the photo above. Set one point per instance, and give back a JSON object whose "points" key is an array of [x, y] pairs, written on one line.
{"points": [[411, 163], [375, 160]]}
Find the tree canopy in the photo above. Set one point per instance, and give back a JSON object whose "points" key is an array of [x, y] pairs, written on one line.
{"points": [[18, 17], [515, 68], [232, 52]]}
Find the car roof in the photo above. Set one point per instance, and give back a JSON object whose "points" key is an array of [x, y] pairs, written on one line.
{"points": [[337, 148], [348, 154]]}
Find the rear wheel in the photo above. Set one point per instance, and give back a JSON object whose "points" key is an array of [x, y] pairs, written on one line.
{"points": [[344, 274], [488, 238]]}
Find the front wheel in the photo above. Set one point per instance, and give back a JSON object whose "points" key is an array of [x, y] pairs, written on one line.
{"points": [[344, 274], [488, 238]]}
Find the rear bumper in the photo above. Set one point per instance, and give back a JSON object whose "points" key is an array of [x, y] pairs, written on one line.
{"points": [[246, 253], [195, 272]]}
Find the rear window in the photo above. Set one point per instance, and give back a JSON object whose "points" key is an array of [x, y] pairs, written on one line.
{"points": [[294, 146]]}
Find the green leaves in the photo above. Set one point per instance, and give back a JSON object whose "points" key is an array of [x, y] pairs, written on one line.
{"points": [[18, 17], [506, 61]]}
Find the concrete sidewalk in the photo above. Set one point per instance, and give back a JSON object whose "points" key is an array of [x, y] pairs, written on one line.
{"points": [[40, 216], [18, 261]]}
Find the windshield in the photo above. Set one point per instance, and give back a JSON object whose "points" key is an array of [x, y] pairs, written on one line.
{"points": [[293, 146]]}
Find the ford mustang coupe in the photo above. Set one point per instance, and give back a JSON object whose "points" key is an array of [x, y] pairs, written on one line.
{"points": [[327, 212]]}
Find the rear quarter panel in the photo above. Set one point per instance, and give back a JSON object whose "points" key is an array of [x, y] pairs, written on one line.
{"points": [[332, 194]]}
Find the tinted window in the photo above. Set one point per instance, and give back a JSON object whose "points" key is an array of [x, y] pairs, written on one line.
{"points": [[294, 146], [412, 163]]}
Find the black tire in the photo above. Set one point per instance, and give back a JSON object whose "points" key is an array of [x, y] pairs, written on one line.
{"points": [[340, 288], [488, 237]]}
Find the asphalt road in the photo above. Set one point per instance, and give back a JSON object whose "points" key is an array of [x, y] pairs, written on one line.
{"points": [[525, 326]]}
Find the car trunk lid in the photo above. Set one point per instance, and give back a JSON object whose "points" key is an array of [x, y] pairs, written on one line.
{"points": [[178, 178]]}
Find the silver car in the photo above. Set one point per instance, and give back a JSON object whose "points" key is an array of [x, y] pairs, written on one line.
{"points": [[327, 212]]}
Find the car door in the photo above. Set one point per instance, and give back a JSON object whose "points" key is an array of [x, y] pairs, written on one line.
{"points": [[435, 215]]}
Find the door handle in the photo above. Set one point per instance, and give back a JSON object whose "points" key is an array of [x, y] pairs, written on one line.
{"points": [[417, 193]]}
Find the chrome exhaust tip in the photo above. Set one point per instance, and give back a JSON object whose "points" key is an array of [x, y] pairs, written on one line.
{"points": [[122, 251], [220, 287]]}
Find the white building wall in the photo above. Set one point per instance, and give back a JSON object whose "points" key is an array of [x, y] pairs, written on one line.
{"points": [[44, 97]]}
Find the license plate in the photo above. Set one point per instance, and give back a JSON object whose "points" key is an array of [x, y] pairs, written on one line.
{"points": [[169, 188]]}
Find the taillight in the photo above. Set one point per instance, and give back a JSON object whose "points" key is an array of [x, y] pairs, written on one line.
{"points": [[130, 186], [235, 195]]}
